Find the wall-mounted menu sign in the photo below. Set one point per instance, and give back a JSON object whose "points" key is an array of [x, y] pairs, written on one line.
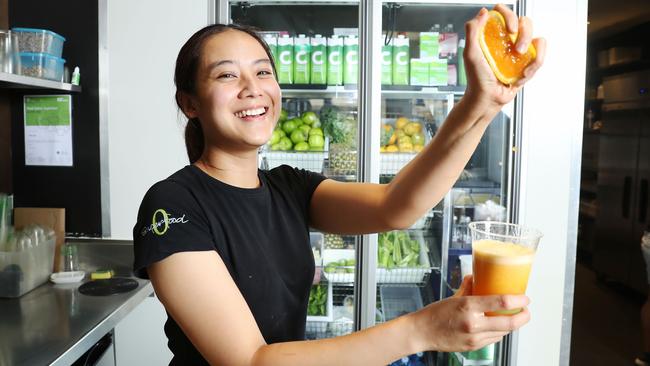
{"points": [[48, 130]]}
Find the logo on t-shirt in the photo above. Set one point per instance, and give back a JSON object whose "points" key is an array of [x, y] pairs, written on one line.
{"points": [[161, 221]]}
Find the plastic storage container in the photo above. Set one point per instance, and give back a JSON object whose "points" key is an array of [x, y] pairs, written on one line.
{"points": [[39, 41], [22, 271], [41, 65], [397, 301]]}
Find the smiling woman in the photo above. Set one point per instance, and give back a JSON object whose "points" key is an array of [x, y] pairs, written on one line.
{"points": [[187, 74], [226, 245]]}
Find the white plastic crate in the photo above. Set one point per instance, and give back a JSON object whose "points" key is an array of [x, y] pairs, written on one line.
{"points": [[414, 275], [392, 163], [335, 255], [408, 274], [308, 160]]}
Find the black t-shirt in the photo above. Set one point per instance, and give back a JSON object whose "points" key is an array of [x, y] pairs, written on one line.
{"points": [[262, 235]]}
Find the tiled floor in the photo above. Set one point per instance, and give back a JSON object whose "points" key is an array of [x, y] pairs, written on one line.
{"points": [[606, 326]]}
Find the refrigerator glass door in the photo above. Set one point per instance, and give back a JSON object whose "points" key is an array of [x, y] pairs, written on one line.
{"points": [[423, 77], [316, 54]]}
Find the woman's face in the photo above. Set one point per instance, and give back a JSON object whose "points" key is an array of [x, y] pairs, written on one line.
{"points": [[237, 99]]}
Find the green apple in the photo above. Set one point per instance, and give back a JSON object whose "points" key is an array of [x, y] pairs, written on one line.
{"points": [[275, 137], [289, 126], [316, 141], [310, 118], [305, 129], [301, 146], [316, 131], [285, 143], [283, 115], [298, 136]]}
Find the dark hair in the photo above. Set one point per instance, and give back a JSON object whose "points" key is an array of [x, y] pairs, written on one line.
{"points": [[187, 64]]}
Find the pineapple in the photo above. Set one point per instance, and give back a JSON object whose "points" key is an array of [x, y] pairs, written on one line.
{"points": [[333, 241]]}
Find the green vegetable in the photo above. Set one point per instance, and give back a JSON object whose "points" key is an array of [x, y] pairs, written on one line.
{"points": [[317, 300], [340, 127], [397, 249], [341, 266]]}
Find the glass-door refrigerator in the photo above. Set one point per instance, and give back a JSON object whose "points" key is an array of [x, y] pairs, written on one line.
{"points": [[366, 85]]}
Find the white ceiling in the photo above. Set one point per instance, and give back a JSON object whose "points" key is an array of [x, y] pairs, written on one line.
{"points": [[610, 16]]}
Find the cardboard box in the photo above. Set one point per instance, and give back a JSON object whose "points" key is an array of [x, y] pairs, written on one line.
{"points": [[53, 218]]}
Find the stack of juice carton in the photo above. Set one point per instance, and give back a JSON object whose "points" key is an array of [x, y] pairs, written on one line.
{"points": [[436, 65], [315, 60]]}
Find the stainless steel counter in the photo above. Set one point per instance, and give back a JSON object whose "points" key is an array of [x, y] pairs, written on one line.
{"points": [[55, 324]]}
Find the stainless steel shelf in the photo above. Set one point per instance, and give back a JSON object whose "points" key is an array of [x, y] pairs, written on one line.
{"points": [[27, 82], [295, 91]]}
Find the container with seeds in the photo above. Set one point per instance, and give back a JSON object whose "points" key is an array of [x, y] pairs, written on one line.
{"points": [[41, 65], [39, 41]]}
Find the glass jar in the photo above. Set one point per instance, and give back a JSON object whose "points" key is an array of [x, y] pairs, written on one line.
{"points": [[70, 258]]}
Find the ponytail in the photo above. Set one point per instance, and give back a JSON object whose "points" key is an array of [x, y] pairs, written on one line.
{"points": [[194, 140]]}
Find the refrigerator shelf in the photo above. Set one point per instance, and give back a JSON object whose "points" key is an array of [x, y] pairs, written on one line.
{"points": [[351, 91], [320, 330], [339, 267], [295, 2], [308, 160]]}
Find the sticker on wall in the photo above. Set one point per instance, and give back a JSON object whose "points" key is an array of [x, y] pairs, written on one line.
{"points": [[48, 130]]}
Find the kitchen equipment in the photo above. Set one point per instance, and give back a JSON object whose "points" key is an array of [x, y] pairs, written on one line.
{"points": [[9, 60], [27, 266], [110, 286], [623, 176]]}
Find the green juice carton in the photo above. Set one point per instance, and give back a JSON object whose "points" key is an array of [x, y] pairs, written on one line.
{"points": [[351, 60], [335, 60], [318, 60], [400, 60], [272, 42], [387, 64], [419, 72], [438, 72], [285, 60], [429, 45], [301, 59]]}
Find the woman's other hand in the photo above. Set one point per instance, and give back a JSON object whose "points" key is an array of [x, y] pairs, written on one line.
{"points": [[482, 85], [459, 323]]}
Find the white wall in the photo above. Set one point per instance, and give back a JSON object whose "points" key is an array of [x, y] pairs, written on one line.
{"points": [[551, 152], [145, 131]]}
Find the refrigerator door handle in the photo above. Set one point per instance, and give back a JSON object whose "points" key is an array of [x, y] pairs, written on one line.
{"points": [[643, 201], [627, 186]]}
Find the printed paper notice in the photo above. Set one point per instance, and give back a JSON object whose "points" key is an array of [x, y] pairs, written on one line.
{"points": [[48, 130]]}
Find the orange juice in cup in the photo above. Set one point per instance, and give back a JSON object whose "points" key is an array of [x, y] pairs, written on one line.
{"points": [[502, 258]]}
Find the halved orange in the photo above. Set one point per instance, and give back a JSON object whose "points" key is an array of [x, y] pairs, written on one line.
{"points": [[498, 46]]}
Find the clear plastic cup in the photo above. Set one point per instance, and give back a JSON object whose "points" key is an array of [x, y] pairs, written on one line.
{"points": [[502, 256]]}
